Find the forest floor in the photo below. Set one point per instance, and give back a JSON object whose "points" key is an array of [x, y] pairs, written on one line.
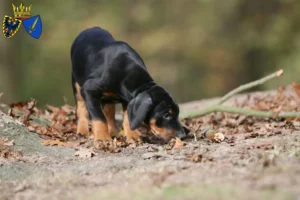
{"points": [[259, 158]]}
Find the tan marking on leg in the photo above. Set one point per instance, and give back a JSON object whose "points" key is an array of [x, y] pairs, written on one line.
{"points": [[109, 111], [166, 134], [100, 131], [131, 135], [82, 114]]}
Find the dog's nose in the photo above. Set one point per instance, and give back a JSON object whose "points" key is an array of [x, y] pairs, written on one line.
{"points": [[181, 134]]}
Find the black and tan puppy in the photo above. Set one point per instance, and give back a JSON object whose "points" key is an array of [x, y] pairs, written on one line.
{"points": [[105, 72]]}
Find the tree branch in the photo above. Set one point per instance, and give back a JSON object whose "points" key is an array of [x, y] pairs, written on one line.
{"points": [[249, 85], [244, 111], [218, 107]]}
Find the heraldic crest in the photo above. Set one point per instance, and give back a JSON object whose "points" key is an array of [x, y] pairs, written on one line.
{"points": [[22, 14]]}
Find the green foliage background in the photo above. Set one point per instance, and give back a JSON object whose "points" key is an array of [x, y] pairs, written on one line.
{"points": [[194, 48]]}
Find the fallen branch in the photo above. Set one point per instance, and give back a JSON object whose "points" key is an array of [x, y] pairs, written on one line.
{"points": [[249, 85], [243, 111], [218, 107]]}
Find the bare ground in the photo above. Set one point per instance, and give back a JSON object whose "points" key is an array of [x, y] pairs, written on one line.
{"points": [[259, 159]]}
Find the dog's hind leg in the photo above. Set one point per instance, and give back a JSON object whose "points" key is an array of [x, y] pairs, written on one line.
{"points": [[109, 111], [81, 111]]}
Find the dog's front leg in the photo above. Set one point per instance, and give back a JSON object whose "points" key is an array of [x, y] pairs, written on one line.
{"points": [[92, 98]]}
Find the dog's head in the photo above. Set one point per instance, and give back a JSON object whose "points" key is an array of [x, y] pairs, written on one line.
{"points": [[156, 108]]}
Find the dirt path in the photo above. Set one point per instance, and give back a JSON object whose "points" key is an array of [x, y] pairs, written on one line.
{"points": [[258, 160]]}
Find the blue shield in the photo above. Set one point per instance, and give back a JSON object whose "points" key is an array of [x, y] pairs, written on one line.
{"points": [[10, 26], [33, 26]]}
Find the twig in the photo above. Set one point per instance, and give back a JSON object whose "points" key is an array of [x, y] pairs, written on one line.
{"points": [[244, 111], [249, 85], [195, 131], [218, 107]]}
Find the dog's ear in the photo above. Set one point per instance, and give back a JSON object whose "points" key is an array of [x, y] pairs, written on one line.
{"points": [[138, 109]]}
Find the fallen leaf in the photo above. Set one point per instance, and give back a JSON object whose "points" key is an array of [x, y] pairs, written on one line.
{"points": [[216, 137], [246, 127], [52, 108], [16, 154], [262, 105], [230, 122], [85, 153], [268, 127], [71, 144], [199, 158], [51, 142], [68, 109], [111, 146], [6, 152], [219, 137], [252, 135], [296, 87], [59, 143], [178, 144], [41, 130], [152, 149], [266, 145], [18, 105], [10, 143], [116, 150], [196, 158], [31, 104], [3, 140], [31, 128], [231, 140], [241, 119]]}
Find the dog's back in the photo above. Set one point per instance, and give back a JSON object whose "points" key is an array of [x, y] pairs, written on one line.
{"points": [[84, 47], [93, 38]]}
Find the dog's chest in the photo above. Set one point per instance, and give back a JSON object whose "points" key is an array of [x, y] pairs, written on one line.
{"points": [[111, 97]]}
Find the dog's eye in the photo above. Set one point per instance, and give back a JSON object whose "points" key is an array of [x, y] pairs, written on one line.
{"points": [[166, 115]]}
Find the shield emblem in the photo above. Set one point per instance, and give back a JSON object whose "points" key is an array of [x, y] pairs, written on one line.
{"points": [[10, 26], [33, 26]]}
